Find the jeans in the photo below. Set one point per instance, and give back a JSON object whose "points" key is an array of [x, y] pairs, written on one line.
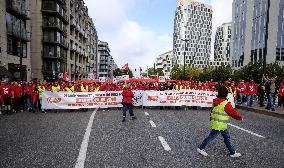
{"points": [[213, 134], [271, 102], [249, 100], [129, 107], [30, 103], [241, 95]]}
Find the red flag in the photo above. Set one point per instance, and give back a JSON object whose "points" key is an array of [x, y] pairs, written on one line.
{"points": [[66, 76], [125, 67]]}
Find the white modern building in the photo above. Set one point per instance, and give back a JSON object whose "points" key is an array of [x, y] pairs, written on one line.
{"points": [[222, 45], [165, 62], [192, 33], [257, 32]]}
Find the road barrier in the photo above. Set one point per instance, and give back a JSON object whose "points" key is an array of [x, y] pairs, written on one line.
{"points": [[107, 99]]}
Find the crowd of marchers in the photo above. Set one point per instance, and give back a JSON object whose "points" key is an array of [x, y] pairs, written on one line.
{"points": [[27, 96]]}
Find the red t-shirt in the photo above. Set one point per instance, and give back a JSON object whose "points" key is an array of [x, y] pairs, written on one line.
{"points": [[6, 90], [18, 91]]}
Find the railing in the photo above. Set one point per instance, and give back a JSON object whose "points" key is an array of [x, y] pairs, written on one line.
{"points": [[19, 8], [15, 31]]}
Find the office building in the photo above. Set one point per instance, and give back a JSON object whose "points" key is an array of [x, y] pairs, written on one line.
{"points": [[192, 33]]}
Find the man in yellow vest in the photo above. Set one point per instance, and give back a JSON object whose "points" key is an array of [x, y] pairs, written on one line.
{"points": [[84, 87], [56, 87], [70, 88], [219, 118], [41, 89]]}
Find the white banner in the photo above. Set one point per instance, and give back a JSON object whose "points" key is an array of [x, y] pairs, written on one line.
{"points": [[181, 98], [77, 100]]}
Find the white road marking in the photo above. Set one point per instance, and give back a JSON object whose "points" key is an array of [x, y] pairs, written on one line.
{"points": [[147, 114], [152, 124], [84, 146], [246, 130], [164, 143]]}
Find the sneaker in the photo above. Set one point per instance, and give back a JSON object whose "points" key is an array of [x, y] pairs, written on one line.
{"points": [[123, 119], [236, 155], [133, 118], [202, 152]]}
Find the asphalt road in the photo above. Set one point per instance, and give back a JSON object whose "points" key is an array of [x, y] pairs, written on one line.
{"points": [[55, 140]]}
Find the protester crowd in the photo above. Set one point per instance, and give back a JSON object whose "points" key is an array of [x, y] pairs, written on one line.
{"points": [[20, 96]]}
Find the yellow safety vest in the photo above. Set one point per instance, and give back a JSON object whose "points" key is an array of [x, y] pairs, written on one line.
{"points": [[233, 92], [56, 88], [97, 89], [69, 89], [83, 89], [178, 87], [219, 118], [40, 90]]}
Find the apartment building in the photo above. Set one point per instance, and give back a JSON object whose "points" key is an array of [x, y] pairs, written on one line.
{"points": [[15, 38], [165, 61], [105, 60], [64, 38]]}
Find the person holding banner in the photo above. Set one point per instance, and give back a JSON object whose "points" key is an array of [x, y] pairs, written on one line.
{"points": [[219, 118], [127, 95]]}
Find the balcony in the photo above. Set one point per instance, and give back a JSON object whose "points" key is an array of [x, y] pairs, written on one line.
{"points": [[73, 47], [55, 26], [54, 10], [62, 42], [73, 23], [14, 31], [18, 9]]}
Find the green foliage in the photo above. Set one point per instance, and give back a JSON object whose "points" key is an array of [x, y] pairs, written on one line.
{"points": [[152, 72], [223, 73], [176, 73]]}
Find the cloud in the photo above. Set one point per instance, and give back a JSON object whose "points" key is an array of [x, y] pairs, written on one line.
{"points": [[135, 44], [129, 42]]}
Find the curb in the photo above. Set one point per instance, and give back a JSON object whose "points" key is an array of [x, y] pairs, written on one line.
{"points": [[262, 111]]}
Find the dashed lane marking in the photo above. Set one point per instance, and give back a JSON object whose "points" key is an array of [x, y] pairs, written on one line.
{"points": [[164, 143], [152, 124], [147, 114]]}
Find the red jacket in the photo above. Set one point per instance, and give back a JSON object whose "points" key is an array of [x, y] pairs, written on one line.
{"points": [[228, 109], [281, 90], [127, 95], [241, 88]]}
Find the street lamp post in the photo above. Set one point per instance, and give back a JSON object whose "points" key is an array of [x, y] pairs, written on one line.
{"points": [[184, 53]]}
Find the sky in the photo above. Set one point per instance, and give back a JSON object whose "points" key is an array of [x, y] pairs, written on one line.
{"points": [[139, 30]]}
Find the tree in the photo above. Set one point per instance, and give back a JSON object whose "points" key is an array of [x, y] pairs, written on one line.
{"points": [[176, 73], [119, 72]]}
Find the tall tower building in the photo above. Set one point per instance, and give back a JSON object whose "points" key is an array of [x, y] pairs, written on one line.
{"points": [[222, 45], [192, 33], [257, 32]]}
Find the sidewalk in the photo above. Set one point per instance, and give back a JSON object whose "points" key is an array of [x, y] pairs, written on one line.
{"points": [[279, 111]]}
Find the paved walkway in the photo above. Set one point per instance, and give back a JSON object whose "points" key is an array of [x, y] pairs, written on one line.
{"points": [[279, 111]]}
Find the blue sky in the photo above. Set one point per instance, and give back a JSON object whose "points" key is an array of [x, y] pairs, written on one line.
{"points": [[139, 30]]}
